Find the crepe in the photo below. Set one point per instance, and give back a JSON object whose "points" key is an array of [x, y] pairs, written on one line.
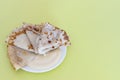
{"points": [[51, 38], [19, 39], [46, 37], [36, 46], [20, 58], [16, 61]]}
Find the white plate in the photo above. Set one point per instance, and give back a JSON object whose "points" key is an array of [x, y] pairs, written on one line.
{"points": [[62, 56]]}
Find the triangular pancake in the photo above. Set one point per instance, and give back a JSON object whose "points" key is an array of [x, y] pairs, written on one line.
{"points": [[19, 39], [32, 37], [51, 38]]}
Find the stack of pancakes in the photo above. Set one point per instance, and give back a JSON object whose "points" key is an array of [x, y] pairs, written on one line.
{"points": [[36, 45]]}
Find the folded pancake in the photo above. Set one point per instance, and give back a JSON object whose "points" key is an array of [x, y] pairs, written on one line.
{"points": [[46, 37], [51, 38], [19, 39], [20, 58], [32, 37], [16, 61]]}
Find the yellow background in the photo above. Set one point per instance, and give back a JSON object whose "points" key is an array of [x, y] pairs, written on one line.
{"points": [[93, 27]]}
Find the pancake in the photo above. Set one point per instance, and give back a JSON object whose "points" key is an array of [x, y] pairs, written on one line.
{"points": [[19, 39], [20, 58], [36, 46]]}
